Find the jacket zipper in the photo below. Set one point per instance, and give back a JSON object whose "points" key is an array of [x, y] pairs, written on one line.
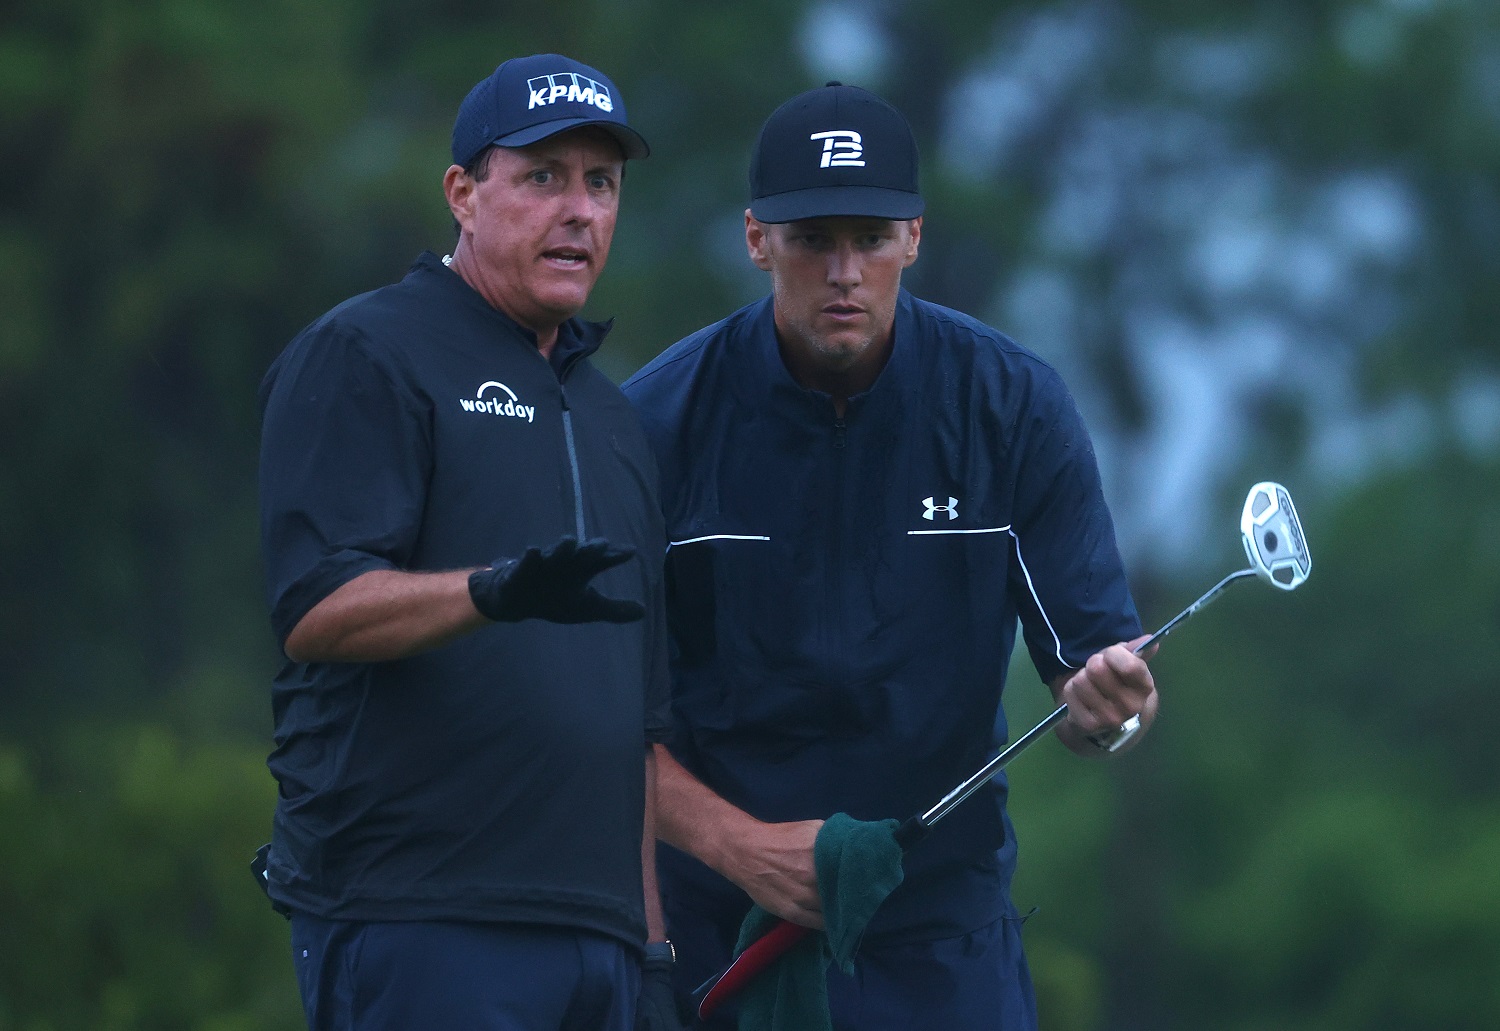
{"points": [[567, 418], [835, 579]]}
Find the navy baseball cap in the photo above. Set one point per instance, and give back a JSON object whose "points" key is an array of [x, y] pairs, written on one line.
{"points": [[527, 99], [834, 150]]}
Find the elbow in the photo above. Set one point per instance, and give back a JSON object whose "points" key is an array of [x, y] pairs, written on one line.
{"points": [[315, 638], [300, 646], [338, 628], [330, 640]]}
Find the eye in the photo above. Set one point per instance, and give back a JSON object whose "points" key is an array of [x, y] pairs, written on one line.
{"points": [[541, 176]]}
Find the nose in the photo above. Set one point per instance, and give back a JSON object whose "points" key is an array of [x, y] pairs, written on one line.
{"points": [[578, 204], [844, 266]]}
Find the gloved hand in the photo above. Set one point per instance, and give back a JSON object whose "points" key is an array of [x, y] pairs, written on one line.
{"points": [[553, 585], [656, 1009]]}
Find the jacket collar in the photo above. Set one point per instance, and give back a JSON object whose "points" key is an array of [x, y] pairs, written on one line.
{"points": [[576, 338], [886, 394]]}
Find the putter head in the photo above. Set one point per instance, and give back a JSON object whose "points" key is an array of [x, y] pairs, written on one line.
{"points": [[1272, 533]]}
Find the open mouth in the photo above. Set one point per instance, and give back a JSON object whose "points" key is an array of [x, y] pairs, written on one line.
{"points": [[567, 257]]}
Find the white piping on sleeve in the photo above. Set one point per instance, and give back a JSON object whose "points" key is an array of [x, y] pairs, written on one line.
{"points": [[989, 529], [719, 537], [1057, 641]]}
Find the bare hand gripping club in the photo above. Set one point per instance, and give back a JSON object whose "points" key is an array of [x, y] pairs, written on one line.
{"points": [[1277, 551]]}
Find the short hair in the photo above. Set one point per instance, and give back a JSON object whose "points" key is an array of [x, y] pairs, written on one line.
{"points": [[477, 169]]}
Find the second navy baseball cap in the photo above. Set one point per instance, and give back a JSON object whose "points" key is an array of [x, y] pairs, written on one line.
{"points": [[834, 150], [527, 99]]}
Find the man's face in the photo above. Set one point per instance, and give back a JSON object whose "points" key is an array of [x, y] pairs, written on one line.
{"points": [[537, 228], [835, 282]]}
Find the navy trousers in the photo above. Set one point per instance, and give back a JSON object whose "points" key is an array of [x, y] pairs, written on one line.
{"points": [[975, 982], [406, 976]]}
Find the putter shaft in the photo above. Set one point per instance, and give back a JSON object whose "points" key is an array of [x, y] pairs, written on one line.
{"points": [[1281, 559], [1056, 716]]}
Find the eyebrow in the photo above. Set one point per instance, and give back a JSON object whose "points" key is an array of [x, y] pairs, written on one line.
{"points": [[878, 226], [608, 165]]}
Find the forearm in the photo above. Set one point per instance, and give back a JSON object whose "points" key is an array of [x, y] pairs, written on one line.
{"points": [[656, 926], [772, 862], [691, 817], [385, 614]]}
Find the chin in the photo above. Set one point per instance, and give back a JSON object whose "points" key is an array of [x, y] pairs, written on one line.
{"points": [[565, 302], [839, 351]]}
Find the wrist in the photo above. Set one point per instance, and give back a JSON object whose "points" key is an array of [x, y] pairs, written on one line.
{"points": [[487, 591], [662, 953], [722, 840]]}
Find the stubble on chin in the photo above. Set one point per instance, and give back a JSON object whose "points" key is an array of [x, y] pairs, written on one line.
{"points": [[840, 349]]}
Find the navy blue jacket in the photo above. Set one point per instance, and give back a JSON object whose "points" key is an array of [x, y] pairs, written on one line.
{"points": [[843, 593], [500, 777]]}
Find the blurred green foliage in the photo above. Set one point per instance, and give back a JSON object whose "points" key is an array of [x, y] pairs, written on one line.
{"points": [[127, 898], [1308, 839]]}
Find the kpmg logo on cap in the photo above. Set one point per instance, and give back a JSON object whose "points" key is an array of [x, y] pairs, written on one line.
{"points": [[841, 147], [568, 86]]}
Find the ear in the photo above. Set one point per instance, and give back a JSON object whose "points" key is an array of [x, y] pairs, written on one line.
{"points": [[459, 189], [913, 242], [757, 242]]}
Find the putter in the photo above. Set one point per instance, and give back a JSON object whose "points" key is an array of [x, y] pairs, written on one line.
{"points": [[1277, 550]]}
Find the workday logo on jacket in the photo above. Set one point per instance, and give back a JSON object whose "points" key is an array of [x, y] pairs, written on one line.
{"points": [[495, 398]]}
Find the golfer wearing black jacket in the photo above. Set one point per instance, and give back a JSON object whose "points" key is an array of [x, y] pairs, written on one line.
{"points": [[462, 543]]}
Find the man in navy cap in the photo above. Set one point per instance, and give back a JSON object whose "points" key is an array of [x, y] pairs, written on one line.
{"points": [[864, 493], [462, 544]]}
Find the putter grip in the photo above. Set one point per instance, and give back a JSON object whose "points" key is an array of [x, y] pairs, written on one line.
{"points": [[772, 945], [760, 954]]}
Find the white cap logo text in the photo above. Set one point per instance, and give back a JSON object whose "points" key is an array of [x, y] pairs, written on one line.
{"points": [[503, 403], [568, 86], [841, 147]]}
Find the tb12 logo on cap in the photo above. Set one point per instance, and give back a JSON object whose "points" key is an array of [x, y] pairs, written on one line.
{"points": [[568, 86], [841, 147]]}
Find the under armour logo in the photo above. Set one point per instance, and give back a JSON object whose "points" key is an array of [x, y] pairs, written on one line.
{"points": [[933, 508], [841, 147]]}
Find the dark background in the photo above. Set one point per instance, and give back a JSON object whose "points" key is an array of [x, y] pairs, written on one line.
{"points": [[1260, 239]]}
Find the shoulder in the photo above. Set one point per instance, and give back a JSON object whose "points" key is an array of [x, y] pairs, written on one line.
{"points": [[957, 342], [393, 311], [353, 328], [376, 314], [693, 354], [364, 339], [701, 376], [962, 334]]}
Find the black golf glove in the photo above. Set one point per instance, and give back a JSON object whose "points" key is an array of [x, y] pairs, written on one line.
{"points": [[656, 1009], [553, 585]]}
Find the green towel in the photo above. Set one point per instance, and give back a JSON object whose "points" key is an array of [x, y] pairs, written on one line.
{"points": [[859, 864]]}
